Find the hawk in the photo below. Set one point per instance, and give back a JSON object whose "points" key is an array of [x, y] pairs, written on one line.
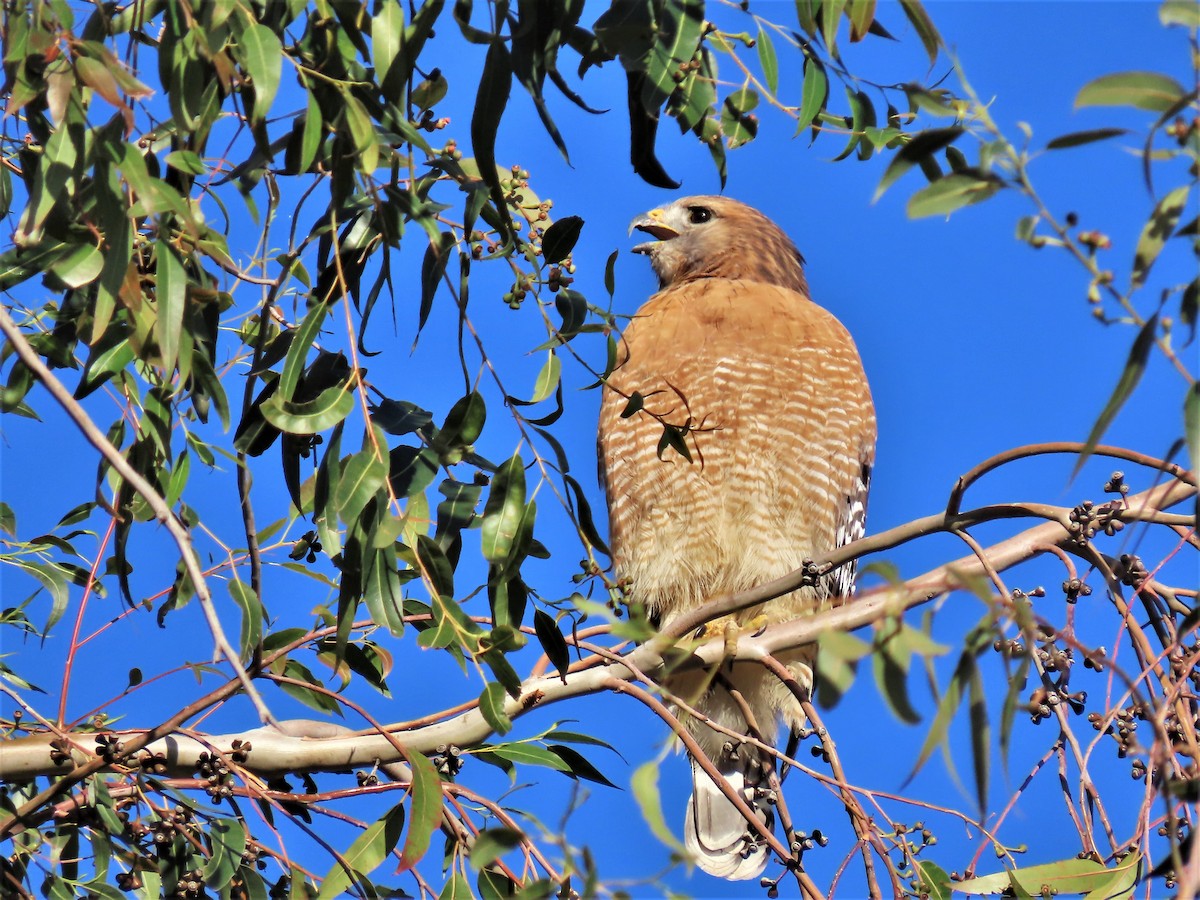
{"points": [[732, 361]]}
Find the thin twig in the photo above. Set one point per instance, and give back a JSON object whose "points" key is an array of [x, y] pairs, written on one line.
{"points": [[162, 512]]}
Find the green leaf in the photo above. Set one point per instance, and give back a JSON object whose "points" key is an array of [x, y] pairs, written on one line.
{"points": [[504, 510], [331, 406], [80, 266], [493, 843], [99, 78], [433, 267], [890, 663], [815, 93], [862, 14], [560, 239], [767, 60], [530, 754], [318, 700], [858, 118], [495, 85], [362, 132], [227, 839], [103, 365], [1078, 138], [981, 734], [452, 628], [926, 31], [310, 136], [1191, 424], [362, 476], [1142, 90], [367, 852], [675, 38], [436, 567], [922, 146], [1122, 880], [387, 36], [806, 12], [577, 765], [52, 579], [934, 881], [399, 416], [412, 469], [547, 380], [53, 182], [430, 92], [947, 194], [463, 425], [171, 297], [831, 16], [262, 57], [491, 704], [838, 655], [673, 438], [1189, 307], [382, 584], [645, 790], [305, 335], [552, 641], [1135, 365], [575, 737], [739, 127], [252, 617], [186, 161], [1179, 12], [1068, 876], [494, 885], [572, 306], [1157, 230], [583, 511], [456, 887], [1008, 709], [426, 810], [948, 705]]}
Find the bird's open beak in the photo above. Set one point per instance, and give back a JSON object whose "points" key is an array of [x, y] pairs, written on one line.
{"points": [[652, 223]]}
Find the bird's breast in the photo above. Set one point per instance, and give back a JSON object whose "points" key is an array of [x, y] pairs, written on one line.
{"points": [[732, 470]]}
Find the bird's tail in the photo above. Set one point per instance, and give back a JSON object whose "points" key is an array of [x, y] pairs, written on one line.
{"points": [[718, 836]]}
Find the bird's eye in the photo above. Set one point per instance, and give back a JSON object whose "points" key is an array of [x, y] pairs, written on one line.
{"points": [[698, 215]]}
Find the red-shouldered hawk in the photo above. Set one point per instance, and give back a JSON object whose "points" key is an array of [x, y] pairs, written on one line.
{"points": [[767, 390]]}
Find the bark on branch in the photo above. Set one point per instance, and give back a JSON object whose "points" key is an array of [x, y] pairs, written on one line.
{"points": [[305, 746]]}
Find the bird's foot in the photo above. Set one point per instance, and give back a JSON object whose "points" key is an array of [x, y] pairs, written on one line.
{"points": [[730, 630]]}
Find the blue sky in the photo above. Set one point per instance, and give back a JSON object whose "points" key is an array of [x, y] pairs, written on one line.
{"points": [[973, 343]]}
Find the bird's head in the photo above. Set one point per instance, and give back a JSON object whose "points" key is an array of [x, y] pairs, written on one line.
{"points": [[716, 237]]}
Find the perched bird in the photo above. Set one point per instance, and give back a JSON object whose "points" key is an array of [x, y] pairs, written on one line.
{"points": [[733, 361]]}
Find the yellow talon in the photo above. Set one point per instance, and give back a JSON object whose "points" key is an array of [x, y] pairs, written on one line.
{"points": [[713, 629], [729, 631], [731, 638]]}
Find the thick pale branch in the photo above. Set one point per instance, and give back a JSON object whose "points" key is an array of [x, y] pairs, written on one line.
{"points": [[307, 750], [1145, 505]]}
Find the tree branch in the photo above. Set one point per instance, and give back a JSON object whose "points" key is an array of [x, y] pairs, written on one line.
{"points": [[162, 511], [276, 753]]}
